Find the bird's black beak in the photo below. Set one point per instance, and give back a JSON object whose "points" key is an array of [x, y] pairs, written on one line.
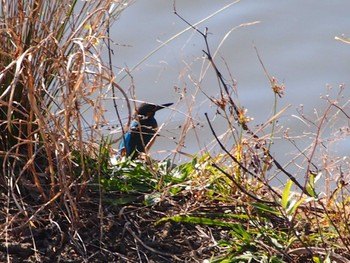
{"points": [[162, 106]]}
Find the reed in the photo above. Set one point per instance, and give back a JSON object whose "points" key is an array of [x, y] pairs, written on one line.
{"points": [[51, 80], [51, 72]]}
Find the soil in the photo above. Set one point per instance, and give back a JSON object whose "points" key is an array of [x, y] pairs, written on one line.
{"points": [[106, 232]]}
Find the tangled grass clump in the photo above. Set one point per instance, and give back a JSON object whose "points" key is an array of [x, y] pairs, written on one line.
{"points": [[50, 72]]}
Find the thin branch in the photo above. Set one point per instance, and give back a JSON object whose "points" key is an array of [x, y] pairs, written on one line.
{"points": [[240, 166], [236, 110]]}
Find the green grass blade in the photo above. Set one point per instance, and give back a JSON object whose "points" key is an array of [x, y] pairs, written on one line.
{"points": [[196, 220], [285, 195], [265, 208]]}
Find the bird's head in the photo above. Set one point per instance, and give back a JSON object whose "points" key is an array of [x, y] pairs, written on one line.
{"points": [[149, 110]]}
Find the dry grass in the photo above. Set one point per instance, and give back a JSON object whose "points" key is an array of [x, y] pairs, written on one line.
{"points": [[51, 72], [52, 77]]}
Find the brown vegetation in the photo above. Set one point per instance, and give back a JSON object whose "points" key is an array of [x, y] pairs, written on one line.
{"points": [[64, 202]]}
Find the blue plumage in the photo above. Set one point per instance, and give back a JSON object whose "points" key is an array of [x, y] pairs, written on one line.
{"points": [[141, 131]]}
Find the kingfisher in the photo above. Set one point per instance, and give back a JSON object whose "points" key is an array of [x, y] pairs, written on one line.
{"points": [[141, 131]]}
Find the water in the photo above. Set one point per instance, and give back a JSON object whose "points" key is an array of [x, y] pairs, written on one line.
{"points": [[295, 40]]}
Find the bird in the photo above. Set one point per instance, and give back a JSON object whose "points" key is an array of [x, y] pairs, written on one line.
{"points": [[141, 131]]}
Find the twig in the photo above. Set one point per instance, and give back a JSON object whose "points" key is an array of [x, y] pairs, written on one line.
{"points": [[210, 58], [240, 165], [111, 76], [318, 250], [236, 109], [128, 228]]}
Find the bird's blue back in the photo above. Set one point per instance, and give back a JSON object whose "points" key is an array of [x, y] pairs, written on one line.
{"points": [[132, 143]]}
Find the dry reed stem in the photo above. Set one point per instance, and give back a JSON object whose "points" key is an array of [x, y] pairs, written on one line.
{"points": [[51, 72]]}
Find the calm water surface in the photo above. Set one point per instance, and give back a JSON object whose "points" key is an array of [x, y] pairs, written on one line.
{"points": [[295, 40]]}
